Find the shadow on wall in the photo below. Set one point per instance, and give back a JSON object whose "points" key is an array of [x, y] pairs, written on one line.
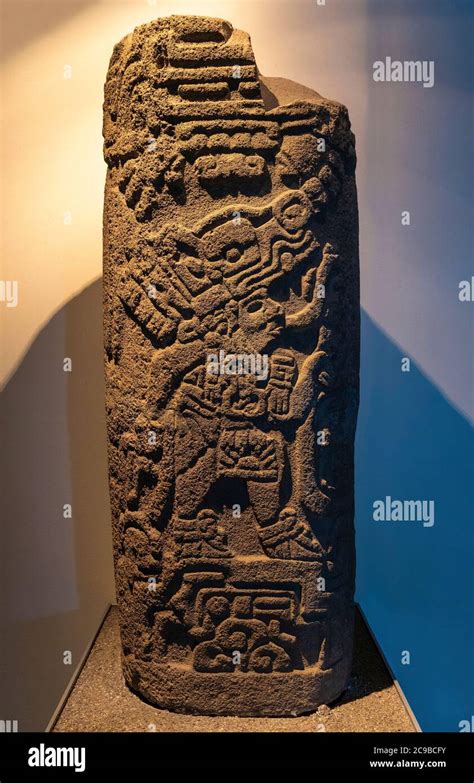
{"points": [[58, 569], [411, 444], [415, 581]]}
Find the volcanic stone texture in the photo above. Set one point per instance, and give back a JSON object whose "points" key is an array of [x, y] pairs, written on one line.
{"points": [[231, 352], [100, 701]]}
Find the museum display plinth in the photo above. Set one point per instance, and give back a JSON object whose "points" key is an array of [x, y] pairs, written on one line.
{"points": [[100, 701], [231, 349]]}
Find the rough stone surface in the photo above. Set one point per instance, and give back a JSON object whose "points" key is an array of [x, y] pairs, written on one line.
{"points": [[100, 700], [231, 342]]}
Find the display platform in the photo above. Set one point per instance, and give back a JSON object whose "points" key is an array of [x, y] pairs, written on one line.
{"points": [[100, 700]]}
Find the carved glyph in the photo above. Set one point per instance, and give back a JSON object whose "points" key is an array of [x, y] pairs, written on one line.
{"points": [[231, 351]]}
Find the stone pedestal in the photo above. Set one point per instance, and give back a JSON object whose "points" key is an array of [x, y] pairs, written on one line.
{"points": [[231, 352]]}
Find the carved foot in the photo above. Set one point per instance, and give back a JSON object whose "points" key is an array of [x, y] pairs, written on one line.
{"points": [[201, 537], [290, 538]]}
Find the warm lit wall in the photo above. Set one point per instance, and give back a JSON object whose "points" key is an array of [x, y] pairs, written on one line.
{"points": [[58, 571], [52, 157], [411, 144]]}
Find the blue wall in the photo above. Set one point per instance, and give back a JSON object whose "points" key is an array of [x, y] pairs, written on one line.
{"points": [[415, 582], [414, 437]]}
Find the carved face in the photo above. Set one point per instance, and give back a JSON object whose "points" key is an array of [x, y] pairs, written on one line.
{"points": [[260, 318], [233, 247]]}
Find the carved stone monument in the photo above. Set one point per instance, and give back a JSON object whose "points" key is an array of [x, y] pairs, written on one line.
{"points": [[231, 352]]}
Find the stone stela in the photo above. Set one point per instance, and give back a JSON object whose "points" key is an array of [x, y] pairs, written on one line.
{"points": [[230, 225]]}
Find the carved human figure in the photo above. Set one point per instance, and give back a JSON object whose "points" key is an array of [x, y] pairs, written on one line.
{"points": [[230, 295]]}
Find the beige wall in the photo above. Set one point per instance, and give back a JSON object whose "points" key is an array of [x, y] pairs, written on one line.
{"points": [[51, 155], [58, 572]]}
